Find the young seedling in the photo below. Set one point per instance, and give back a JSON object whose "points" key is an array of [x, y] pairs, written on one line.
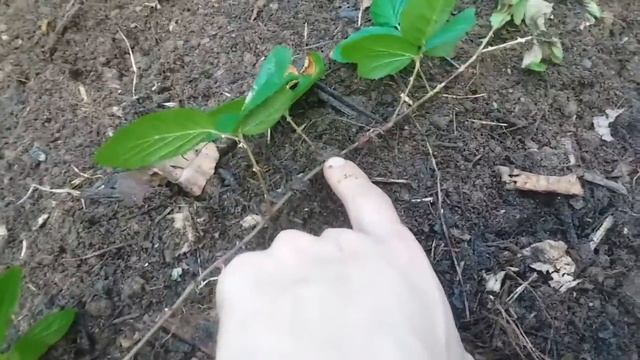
{"points": [[42, 335], [534, 13], [404, 31], [169, 133]]}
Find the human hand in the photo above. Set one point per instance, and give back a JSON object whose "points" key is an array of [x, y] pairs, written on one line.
{"points": [[364, 293]]}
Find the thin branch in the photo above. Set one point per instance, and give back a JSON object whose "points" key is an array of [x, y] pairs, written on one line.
{"points": [[100, 252], [445, 229], [227, 256], [510, 43], [47, 189], [133, 64]]}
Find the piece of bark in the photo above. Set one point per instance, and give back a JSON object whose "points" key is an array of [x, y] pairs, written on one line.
{"points": [[198, 330], [521, 180]]}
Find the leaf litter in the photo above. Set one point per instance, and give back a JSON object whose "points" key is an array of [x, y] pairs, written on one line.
{"points": [[550, 257], [601, 123]]}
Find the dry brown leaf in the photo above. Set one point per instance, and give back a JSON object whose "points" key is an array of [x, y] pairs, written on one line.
{"points": [[522, 180], [191, 170], [551, 257]]}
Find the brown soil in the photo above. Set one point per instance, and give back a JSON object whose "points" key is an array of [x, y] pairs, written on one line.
{"points": [[201, 52]]}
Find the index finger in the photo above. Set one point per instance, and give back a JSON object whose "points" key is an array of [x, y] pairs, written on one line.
{"points": [[370, 210]]}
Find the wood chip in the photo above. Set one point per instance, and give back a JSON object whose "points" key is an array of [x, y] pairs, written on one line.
{"points": [[521, 180]]}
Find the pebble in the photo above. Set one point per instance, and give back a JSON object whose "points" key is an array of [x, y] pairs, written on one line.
{"points": [[586, 63], [100, 307], [440, 122], [570, 109], [38, 154], [133, 287], [249, 59]]}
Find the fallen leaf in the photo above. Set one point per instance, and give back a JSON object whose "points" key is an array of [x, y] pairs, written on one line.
{"points": [[550, 257], [182, 221], [250, 221], [536, 12], [494, 281], [521, 180], [592, 8], [532, 56], [191, 170], [601, 123]]}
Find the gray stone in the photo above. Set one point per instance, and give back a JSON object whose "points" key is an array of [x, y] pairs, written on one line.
{"points": [[99, 307], [133, 287]]}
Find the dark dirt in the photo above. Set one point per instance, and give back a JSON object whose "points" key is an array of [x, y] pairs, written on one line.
{"points": [[201, 52]]}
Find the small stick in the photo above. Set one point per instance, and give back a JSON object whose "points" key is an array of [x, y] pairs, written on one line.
{"points": [[611, 185], [445, 230], [133, 63], [298, 129], [391, 181], [47, 189], [464, 96], [100, 252], [330, 93], [510, 43], [599, 234], [227, 256], [488, 123]]}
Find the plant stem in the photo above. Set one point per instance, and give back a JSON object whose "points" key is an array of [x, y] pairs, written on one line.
{"points": [[227, 256], [510, 43], [256, 168], [405, 94]]}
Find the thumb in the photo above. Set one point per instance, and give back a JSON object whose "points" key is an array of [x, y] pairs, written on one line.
{"points": [[370, 210]]}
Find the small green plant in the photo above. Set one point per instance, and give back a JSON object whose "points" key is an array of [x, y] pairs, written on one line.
{"points": [[42, 335], [404, 30], [534, 13], [165, 134]]}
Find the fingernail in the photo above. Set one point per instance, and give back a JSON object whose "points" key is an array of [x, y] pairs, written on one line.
{"points": [[335, 162]]}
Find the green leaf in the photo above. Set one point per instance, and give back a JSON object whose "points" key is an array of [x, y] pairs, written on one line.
{"points": [[377, 52], [499, 18], [518, 11], [226, 118], [593, 8], [267, 114], [386, 12], [555, 51], [271, 77], [10, 284], [42, 335], [443, 42], [537, 66], [420, 19], [166, 134]]}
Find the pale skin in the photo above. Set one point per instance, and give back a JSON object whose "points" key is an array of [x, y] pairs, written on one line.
{"points": [[367, 293]]}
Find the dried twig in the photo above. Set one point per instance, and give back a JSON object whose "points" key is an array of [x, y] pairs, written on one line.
{"points": [[510, 43], [600, 180], [133, 64], [445, 229], [100, 252], [227, 256], [71, 10], [598, 235], [47, 189]]}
